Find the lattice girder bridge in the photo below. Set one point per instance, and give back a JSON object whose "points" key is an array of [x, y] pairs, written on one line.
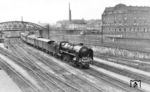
{"points": [[19, 26]]}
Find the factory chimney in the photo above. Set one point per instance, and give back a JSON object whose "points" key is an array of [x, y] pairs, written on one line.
{"points": [[69, 13]]}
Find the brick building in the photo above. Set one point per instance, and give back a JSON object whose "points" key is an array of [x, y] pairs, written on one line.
{"points": [[127, 21]]}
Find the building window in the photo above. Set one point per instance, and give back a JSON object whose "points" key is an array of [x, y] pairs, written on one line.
{"points": [[119, 21], [134, 29], [135, 21], [131, 29], [138, 29], [120, 29], [124, 29], [145, 29], [125, 18]]}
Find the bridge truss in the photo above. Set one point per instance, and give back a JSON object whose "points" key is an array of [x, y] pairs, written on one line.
{"points": [[20, 26]]}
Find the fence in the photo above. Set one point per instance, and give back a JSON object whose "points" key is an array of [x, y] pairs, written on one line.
{"points": [[96, 41]]}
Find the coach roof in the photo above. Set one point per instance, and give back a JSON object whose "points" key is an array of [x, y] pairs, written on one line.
{"points": [[42, 39]]}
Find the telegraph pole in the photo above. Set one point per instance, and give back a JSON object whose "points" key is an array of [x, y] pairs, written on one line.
{"points": [[48, 28], [22, 18], [102, 31], [22, 24]]}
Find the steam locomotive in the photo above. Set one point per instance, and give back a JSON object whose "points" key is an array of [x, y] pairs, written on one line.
{"points": [[77, 54]]}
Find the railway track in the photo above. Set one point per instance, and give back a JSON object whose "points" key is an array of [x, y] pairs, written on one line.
{"points": [[123, 71], [138, 64], [111, 80], [78, 80], [22, 83], [99, 77], [62, 73], [45, 78], [68, 83], [67, 75], [136, 74], [74, 80]]}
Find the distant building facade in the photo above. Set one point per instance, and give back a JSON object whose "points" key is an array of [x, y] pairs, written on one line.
{"points": [[74, 24], [94, 24], [79, 25], [87, 26], [127, 21]]}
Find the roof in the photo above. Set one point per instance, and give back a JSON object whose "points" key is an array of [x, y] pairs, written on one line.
{"points": [[43, 39], [78, 21], [122, 8]]}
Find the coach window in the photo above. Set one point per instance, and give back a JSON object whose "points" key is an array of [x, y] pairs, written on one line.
{"points": [[10, 26]]}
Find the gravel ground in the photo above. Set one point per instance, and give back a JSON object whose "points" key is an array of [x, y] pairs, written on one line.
{"points": [[7, 84]]}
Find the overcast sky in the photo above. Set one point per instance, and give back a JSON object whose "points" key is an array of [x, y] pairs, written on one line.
{"points": [[53, 10]]}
